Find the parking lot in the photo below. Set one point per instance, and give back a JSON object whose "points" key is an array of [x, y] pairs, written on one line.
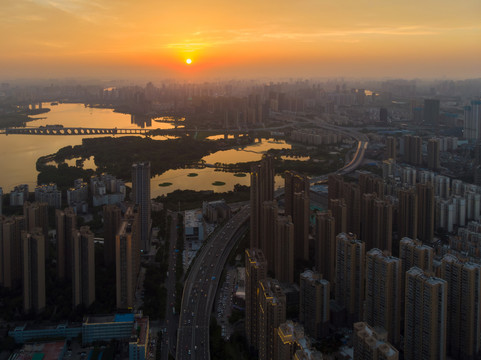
{"points": [[223, 307]]}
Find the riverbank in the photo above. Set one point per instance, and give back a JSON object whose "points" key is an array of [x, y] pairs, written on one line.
{"points": [[18, 117], [115, 155]]}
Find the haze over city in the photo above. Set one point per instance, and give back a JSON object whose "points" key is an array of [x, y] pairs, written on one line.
{"points": [[216, 180], [153, 39]]}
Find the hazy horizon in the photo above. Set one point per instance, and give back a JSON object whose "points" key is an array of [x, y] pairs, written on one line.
{"points": [[281, 39]]}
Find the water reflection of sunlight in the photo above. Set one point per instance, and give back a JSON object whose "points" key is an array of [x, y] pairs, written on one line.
{"points": [[204, 180], [252, 152], [295, 158], [220, 137], [168, 119], [88, 164]]}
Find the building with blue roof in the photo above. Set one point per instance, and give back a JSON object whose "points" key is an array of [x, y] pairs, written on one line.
{"points": [[94, 328], [107, 327], [28, 332]]}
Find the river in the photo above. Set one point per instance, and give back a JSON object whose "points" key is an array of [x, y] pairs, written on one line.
{"points": [[20, 152]]}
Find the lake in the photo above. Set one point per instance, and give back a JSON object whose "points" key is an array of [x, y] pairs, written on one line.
{"points": [[20, 152]]}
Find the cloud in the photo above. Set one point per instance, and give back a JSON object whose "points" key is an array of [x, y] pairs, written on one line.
{"points": [[51, 44], [86, 10], [209, 38]]}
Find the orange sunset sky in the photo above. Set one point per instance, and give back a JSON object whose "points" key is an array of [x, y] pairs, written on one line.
{"points": [[248, 38]]}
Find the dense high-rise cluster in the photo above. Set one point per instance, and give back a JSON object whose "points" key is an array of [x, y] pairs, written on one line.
{"points": [[24, 244], [408, 302]]}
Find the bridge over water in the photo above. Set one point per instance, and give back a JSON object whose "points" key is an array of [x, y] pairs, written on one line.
{"points": [[47, 130], [60, 130]]}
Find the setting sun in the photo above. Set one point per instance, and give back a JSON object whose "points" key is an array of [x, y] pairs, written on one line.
{"points": [[188, 61]]}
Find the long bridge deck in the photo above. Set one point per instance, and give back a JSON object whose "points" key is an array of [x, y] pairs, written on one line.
{"points": [[60, 130], [73, 131]]}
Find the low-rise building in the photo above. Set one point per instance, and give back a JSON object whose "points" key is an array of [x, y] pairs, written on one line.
{"points": [[107, 190], [194, 225], [30, 332], [216, 211], [371, 344], [139, 341], [44, 351], [94, 328], [107, 327]]}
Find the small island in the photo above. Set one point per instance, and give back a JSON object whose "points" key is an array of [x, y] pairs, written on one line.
{"points": [[192, 174], [165, 184], [240, 175], [218, 183]]}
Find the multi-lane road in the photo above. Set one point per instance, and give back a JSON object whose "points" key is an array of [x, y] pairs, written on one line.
{"points": [[171, 320], [356, 160], [201, 286]]}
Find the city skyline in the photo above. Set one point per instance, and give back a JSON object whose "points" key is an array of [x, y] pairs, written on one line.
{"points": [[250, 180], [249, 39]]}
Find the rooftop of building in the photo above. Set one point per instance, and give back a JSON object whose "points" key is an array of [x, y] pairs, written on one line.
{"points": [[256, 256], [314, 276], [304, 343], [42, 351], [46, 326], [46, 187], [289, 287], [348, 236], [140, 330], [347, 352], [311, 275], [291, 331], [117, 318], [415, 243], [220, 202], [386, 256], [471, 265], [272, 290], [387, 349], [241, 281], [451, 258], [308, 354], [192, 218], [376, 337]]}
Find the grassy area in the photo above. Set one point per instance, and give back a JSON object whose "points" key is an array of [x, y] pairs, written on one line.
{"points": [[165, 184], [203, 134], [372, 168], [155, 296], [236, 348], [218, 183], [115, 155], [190, 199], [16, 117]]}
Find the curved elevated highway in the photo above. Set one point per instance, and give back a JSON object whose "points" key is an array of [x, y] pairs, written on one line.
{"points": [[201, 286]]}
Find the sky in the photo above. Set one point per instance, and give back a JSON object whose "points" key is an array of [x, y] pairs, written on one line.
{"points": [[239, 39]]}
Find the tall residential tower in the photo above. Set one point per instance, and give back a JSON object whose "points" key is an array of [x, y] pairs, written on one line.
{"points": [[141, 197], [425, 320]]}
